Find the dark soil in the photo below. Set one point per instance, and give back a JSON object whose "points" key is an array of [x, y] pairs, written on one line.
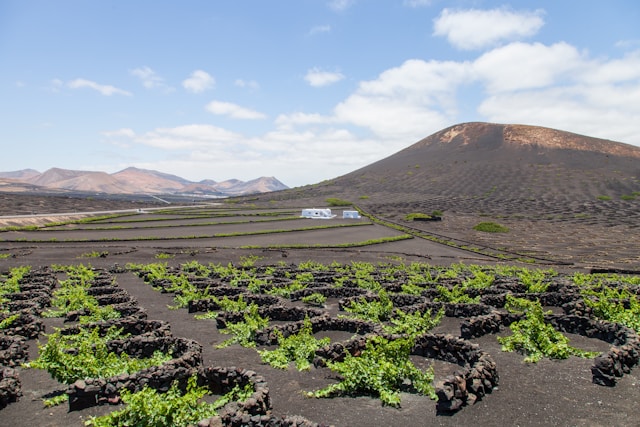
{"points": [[546, 393]]}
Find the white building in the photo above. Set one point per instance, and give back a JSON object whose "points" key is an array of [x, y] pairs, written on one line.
{"points": [[317, 213], [351, 214]]}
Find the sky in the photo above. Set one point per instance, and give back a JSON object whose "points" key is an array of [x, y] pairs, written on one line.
{"points": [[302, 90]]}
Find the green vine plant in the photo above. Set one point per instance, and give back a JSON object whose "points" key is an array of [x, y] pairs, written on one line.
{"points": [[382, 370], [618, 305], [175, 408], [456, 295], [480, 280], [300, 282], [72, 296], [534, 337], [11, 282], [413, 324], [244, 332], [89, 358], [535, 280], [8, 321], [56, 400], [299, 348], [226, 304], [315, 299], [375, 311]]}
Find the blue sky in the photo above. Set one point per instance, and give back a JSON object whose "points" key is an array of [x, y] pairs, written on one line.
{"points": [[303, 90]]}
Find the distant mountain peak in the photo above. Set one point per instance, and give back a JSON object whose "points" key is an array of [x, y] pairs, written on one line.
{"points": [[133, 180]]}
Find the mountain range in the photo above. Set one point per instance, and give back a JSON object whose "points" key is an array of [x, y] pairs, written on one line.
{"points": [[130, 181]]}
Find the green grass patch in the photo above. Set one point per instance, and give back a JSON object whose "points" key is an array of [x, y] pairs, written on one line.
{"points": [[491, 227], [95, 254], [332, 201]]}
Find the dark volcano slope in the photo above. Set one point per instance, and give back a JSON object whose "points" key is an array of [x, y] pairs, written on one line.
{"points": [[496, 169], [564, 196]]}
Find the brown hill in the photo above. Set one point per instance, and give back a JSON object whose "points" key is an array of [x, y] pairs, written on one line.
{"points": [[21, 174], [562, 195], [143, 180], [514, 160], [83, 181], [470, 163], [129, 181]]}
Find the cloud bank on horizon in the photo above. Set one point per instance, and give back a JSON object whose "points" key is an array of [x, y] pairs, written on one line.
{"points": [[215, 91]]}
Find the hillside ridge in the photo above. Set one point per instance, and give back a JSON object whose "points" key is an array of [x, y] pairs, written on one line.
{"points": [[131, 181], [527, 135]]}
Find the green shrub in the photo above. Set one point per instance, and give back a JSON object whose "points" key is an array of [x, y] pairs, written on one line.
{"points": [[95, 254], [491, 227], [332, 201], [604, 198], [164, 255], [414, 215]]}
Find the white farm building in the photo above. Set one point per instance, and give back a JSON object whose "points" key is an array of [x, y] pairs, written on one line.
{"points": [[351, 214], [317, 213]]}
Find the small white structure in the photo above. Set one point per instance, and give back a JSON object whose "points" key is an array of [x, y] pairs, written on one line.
{"points": [[317, 213], [351, 214]]}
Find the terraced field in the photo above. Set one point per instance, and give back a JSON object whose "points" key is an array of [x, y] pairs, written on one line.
{"points": [[216, 288]]}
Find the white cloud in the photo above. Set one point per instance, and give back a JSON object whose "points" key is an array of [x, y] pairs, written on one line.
{"points": [[289, 120], [292, 156], [150, 79], [199, 81], [106, 90], [598, 98], [121, 138], [475, 29], [519, 66], [340, 5], [56, 85], [407, 101], [188, 137], [251, 84], [317, 78], [568, 108], [124, 132], [417, 3], [233, 110], [622, 70], [553, 85], [318, 29]]}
